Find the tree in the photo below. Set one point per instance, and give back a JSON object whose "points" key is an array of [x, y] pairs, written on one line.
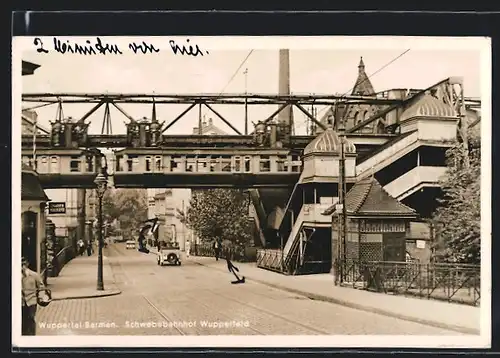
{"points": [[218, 212], [128, 206], [457, 221]]}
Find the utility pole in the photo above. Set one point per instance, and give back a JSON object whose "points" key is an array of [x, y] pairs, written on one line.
{"points": [[34, 142], [200, 129], [343, 210], [246, 101]]}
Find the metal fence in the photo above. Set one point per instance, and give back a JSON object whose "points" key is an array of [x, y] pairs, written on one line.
{"points": [[240, 254], [450, 282], [54, 265]]}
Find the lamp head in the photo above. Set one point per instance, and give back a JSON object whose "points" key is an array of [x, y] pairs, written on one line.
{"points": [[101, 183]]}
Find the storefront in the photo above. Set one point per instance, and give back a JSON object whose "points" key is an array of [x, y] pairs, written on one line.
{"points": [[33, 201]]}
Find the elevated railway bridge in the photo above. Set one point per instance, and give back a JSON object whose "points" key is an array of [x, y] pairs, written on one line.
{"points": [[400, 141], [269, 156]]}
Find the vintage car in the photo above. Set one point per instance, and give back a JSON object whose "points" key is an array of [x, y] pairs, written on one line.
{"points": [[169, 253], [130, 244]]}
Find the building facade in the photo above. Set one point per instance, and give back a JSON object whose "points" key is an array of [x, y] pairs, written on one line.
{"points": [[33, 198]]}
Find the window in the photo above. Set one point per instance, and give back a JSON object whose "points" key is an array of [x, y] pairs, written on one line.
{"points": [[129, 164], [226, 163], [190, 164], [356, 115], [248, 164], [158, 164], [203, 164], [176, 162], [54, 164], [173, 163], [237, 163], [214, 165], [44, 162], [74, 164], [265, 164], [148, 163], [296, 164], [280, 163]]}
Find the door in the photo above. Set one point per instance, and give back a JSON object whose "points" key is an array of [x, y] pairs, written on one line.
{"points": [[394, 247], [29, 238]]}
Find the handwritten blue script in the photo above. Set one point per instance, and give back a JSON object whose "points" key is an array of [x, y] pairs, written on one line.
{"points": [[100, 47]]}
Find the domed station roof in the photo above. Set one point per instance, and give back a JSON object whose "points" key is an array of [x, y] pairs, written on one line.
{"points": [[428, 106], [328, 142]]}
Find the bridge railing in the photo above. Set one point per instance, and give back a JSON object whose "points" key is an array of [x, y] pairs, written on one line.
{"points": [[449, 282]]}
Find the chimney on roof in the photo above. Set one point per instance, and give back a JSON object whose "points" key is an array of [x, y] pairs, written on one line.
{"points": [[210, 121], [286, 115]]}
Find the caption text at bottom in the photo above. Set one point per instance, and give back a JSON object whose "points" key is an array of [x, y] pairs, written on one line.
{"points": [[143, 324]]}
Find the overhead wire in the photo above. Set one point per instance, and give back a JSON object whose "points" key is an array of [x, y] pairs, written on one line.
{"points": [[235, 73]]}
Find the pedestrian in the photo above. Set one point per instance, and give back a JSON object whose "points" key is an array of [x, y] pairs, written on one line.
{"points": [[81, 247], [217, 246], [188, 247], [31, 285], [89, 248]]}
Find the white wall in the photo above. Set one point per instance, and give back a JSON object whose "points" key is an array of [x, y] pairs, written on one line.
{"points": [[68, 196], [432, 128]]}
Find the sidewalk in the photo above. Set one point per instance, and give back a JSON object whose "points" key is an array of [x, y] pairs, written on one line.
{"points": [[78, 279], [462, 318]]}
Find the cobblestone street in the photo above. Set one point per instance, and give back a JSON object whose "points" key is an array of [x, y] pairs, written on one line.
{"points": [[196, 300]]}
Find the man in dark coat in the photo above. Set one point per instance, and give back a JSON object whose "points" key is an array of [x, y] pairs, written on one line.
{"points": [[217, 246]]}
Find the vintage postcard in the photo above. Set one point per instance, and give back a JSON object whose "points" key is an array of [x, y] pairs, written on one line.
{"points": [[251, 192]]}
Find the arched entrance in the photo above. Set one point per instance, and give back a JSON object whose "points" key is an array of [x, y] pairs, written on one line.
{"points": [[29, 237]]}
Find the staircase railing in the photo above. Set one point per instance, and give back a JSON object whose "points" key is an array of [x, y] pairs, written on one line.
{"points": [[259, 211], [295, 231]]}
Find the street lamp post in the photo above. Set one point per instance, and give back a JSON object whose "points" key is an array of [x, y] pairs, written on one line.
{"points": [[101, 184]]}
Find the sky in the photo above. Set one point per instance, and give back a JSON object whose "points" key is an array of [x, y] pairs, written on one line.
{"points": [[311, 71]]}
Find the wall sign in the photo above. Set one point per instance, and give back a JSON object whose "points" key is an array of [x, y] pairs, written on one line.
{"points": [[382, 226], [57, 208]]}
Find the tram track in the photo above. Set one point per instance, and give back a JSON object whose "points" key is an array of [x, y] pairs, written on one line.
{"points": [[191, 298], [254, 307], [271, 313], [257, 308], [151, 304]]}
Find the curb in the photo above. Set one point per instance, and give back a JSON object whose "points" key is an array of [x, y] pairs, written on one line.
{"points": [[345, 303], [111, 293]]}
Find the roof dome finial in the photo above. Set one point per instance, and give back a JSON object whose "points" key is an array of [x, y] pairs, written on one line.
{"points": [[361, 63]]}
